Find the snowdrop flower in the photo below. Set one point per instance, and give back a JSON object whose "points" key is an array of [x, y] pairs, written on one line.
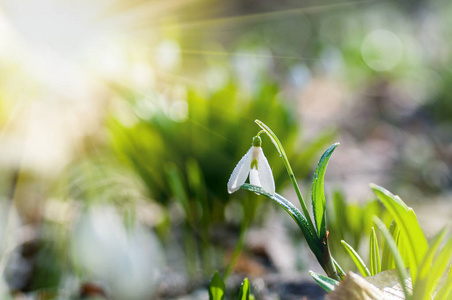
{"points": [[255, 164]]}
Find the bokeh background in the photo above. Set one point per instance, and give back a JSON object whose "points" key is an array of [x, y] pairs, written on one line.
{"points": [[121, 122]]}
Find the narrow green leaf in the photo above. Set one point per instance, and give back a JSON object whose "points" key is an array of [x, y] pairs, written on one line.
{"points": [[318, 192], [387, 260], [339, 269], [400, 266], [415, 244], [177, 187], [217, 287], [374, 254], [328, 284], [318, 247], [440, 264], [197, 186], [311, 237], [244, 293], [425, 269], [446, 291], [356, 259]]}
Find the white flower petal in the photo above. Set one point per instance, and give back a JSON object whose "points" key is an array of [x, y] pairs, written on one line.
{"points": [[265, 173], [254, 178], [240, 173]]}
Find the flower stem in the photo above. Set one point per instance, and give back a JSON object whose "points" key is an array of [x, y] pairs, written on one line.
{"points": [[281, 151]]}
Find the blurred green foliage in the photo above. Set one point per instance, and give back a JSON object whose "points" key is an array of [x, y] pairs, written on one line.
{"points": [[216, 132], [190, 158], [351, 222]]}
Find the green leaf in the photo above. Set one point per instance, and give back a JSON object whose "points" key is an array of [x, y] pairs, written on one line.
{"points": [[176, 183], [244, 293], [217, 287], [339, 269], [328, 284], [414, 242], [446, 291], [356, 259], [318, 192], [387, 260], [374, 254], [425, 269], [400, 266], [311, 237], [440, 264]]}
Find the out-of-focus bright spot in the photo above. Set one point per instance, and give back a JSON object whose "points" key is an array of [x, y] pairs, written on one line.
{"points": [[123, 113], [216, 77], [168, 55], [179, 111], [142, 76], [146, 107], [126, 260], [52, 100], [108, 58], [249, 66], [382, 50], [61, 25]]}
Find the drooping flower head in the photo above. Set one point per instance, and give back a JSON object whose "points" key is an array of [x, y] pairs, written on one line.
{"points": [[255, 165]]}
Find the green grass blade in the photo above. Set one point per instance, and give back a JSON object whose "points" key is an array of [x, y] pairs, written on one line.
{"points": [[216, 287], [387, 260], [245, 292], [439, 266], [176, 183], [328, 284], [400, 266], [311, 237], [374, 254], [318, 192], [425, 269], [339, 269], [415, 244], [446, 291], [356, 259]]}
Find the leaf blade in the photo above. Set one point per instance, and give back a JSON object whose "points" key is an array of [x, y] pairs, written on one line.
{"points": [[416, 243], [318, 192], [328, 284], [446, 291], [245, 290], [425, 269], [216, 287], [387, 260], [374, 254], [310, 236], [356, 259], [400, 266], [441, 263]]}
